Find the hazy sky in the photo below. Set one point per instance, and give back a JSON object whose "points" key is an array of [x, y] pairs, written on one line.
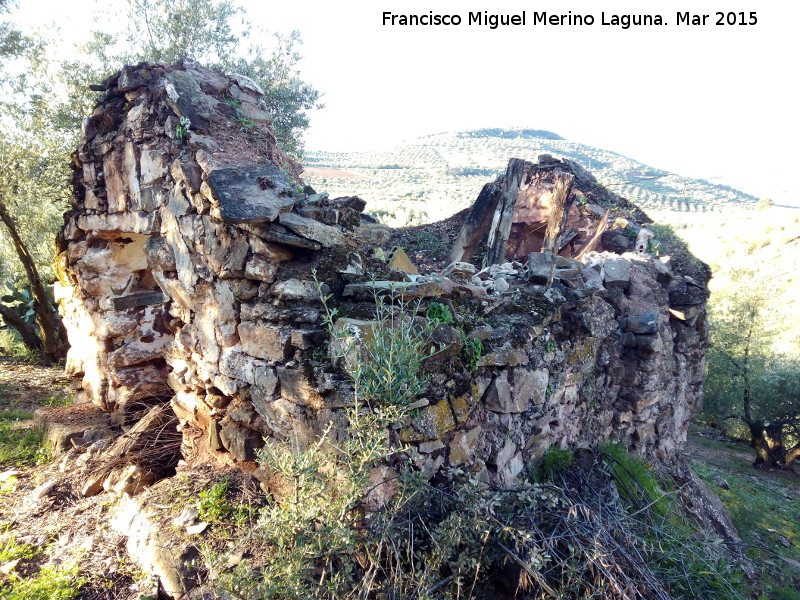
{"points": [[705, 101]]}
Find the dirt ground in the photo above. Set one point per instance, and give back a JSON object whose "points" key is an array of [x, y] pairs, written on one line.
{"points": [[710, 448], [26, 387]]}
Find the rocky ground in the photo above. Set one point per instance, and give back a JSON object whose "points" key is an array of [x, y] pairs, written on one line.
{"points": [[41, 507]]}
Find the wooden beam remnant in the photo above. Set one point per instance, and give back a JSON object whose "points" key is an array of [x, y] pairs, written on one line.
{"points": [[559, 207]]}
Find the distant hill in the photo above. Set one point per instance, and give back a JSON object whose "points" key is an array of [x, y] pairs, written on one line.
{"points": [[511, 134], [435, 176]]}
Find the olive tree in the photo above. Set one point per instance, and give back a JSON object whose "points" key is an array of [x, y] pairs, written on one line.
{"points": [[747, 379], [34, 151], [215, 33], [43, 101]]}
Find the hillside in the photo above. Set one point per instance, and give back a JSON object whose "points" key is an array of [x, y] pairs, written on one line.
{"points": [[437, 175], [765, 243]]}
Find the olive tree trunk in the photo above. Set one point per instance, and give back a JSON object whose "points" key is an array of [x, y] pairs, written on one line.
{"points": [[53, 346]]}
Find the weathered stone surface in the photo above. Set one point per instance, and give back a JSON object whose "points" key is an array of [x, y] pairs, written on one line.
{"points": [[374, 234], [530, 387], [188, 100], [459, 270], [260, 268], [505, 356], [253, 113], [616, 273], [253, 194], [296, 387], [243, 443], [138, 299], [297, 290], [502, 397], [325, 235], [264, 341], [682, 292], [616, 241], [445, 343], [644, 323], [463, 446], [432, 423]]}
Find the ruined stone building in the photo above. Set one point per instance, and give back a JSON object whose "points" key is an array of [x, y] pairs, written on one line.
{"points": [[187, 277]]}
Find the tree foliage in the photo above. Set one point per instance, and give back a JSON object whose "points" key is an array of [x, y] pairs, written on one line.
{"points": [[43, 101], [35, 138], [164, 31], [747, 378]]}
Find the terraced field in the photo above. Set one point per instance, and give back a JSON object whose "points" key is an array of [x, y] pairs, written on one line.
{"points": [[437, 175]]}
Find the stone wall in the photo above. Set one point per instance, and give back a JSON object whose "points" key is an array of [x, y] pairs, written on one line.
{"points": [[186, 275]]}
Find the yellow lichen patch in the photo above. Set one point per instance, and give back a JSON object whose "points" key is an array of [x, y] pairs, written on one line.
{"points": [[583, 352], [463, 405], [432, 423]]}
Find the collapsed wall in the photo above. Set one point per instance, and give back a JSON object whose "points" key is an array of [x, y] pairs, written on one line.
{"points": [[187, 269]]}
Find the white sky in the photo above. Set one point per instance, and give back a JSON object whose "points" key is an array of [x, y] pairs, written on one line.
{"points": [[712, 102]]}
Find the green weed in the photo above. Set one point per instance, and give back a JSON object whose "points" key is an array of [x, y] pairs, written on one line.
{"points": [[472, 352], [49, 583], [439, 313], [553, 461], [20, 446]]}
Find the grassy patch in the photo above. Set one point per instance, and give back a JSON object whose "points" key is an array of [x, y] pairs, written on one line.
{"points": [[10, 549], [19, 446], [764, 509], [15, 415], [12, 344], [49, 583]]}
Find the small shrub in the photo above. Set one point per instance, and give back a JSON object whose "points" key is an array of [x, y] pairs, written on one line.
{"points": [[554, 461], [440, 313], [387, 370], [635, 478], [213, 505], [472, 352]]}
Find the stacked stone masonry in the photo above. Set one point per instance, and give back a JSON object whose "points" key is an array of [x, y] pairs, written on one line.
{"points": [[187, 270]]}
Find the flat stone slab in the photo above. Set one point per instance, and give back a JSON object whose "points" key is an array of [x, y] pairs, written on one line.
{"points": [[326, 235], [252, 194], [137, 299], [83, 423]]}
